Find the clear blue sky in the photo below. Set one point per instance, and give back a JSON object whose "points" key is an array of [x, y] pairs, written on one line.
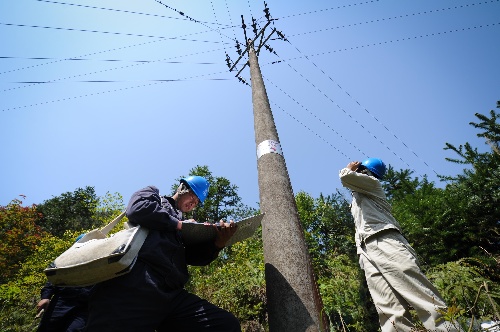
{"points": [[396, 79]]}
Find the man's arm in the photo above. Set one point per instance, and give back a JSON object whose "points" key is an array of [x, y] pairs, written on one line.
{"points": [[145, 209], [361, 183], [46, 293]]}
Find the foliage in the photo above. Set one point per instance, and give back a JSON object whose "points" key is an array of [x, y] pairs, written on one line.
{"points": [[329, 232], [466, 212], [424, 211], [70, 210], [345, 296], [109, 204], [20, 293], [19, 236], [236, 281], [464, 287], [328, 227], [399, 184], [18, 297], [454, 229], [477, 190]]}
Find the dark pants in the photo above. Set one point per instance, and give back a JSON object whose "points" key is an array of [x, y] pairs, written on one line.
{"points": [[140, 302], [64, 316]]}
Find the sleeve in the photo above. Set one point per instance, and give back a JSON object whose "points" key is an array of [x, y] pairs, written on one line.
{"points": [[201, 254], [361, 183], [145, 209], [47, 291]]}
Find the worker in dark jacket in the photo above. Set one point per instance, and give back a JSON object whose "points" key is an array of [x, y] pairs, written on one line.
{"points": [[65, 308], [152, 296]]}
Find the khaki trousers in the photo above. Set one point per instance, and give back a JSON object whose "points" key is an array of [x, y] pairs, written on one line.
{"points": [[396, 282]]}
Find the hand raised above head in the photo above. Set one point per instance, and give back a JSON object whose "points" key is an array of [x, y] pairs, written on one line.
{"points": [[353, 165]]}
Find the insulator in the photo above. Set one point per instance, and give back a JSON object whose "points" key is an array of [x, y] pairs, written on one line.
{"points": [[266, 10]]}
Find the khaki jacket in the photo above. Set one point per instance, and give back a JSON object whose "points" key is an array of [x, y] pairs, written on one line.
{"points": [[369, 206]]}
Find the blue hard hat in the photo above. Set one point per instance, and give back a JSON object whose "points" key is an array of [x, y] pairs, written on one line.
{"points": [[199, 185], [376, 166]]}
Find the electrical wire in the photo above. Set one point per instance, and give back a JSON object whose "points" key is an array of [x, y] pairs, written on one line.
{"points": [[110, 91], [395, 17], [106, 32], [307, 57]]}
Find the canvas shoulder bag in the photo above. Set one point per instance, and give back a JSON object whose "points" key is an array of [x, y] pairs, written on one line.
{"points": [[97, 257]]}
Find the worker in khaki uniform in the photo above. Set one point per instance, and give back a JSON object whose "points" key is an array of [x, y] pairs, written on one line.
{"points": [[391, 268]]}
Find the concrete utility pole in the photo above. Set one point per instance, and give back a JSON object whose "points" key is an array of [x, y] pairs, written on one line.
{"points": [[293, 299], [292, 296]]}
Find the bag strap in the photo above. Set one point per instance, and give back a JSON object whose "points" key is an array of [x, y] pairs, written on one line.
{"points": [[106, 229]]}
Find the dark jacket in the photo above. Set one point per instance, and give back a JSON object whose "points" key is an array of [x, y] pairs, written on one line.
{"points": [[67, 310], [163, 249], [77, 294]]}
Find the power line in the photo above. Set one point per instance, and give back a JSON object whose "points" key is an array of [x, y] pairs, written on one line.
{"points": [[391, 42], [394, 17], [332, 8], [357, 102], [106, 32], [109, 69], [192, 19], [396, 41], [397, 138], [117, 10], [312, 131], [120, 81], [315, 116], [104, 92], [104, 60]]}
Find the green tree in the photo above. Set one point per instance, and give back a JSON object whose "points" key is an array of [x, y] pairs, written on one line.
{"points": [[328, 226], [19, 236], [236, 279], [109, 205], [235, 282], [345, 296], [19, 296], [427, 217], [399, 184], [71, 210], [464, 286], [329, 232], [460, 220], [223, 201], [477, 189]]}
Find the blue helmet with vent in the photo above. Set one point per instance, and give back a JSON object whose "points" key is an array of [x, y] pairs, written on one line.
{"points": [[199, 185], [376, 166]]}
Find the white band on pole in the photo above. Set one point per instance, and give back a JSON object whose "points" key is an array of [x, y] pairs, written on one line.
{"points": [[268, 146]]}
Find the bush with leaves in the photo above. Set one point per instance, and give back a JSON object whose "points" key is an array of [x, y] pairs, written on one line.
{"points": [[467, 292], [345, 296], [70, 210], [19, 236], [235, 281], [18, 297], [477, 190], [20, 293]]}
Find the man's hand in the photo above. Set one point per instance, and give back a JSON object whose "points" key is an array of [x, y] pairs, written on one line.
{"points": [[353, 165], [42, 304], [224, 233], [179, 224]]}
